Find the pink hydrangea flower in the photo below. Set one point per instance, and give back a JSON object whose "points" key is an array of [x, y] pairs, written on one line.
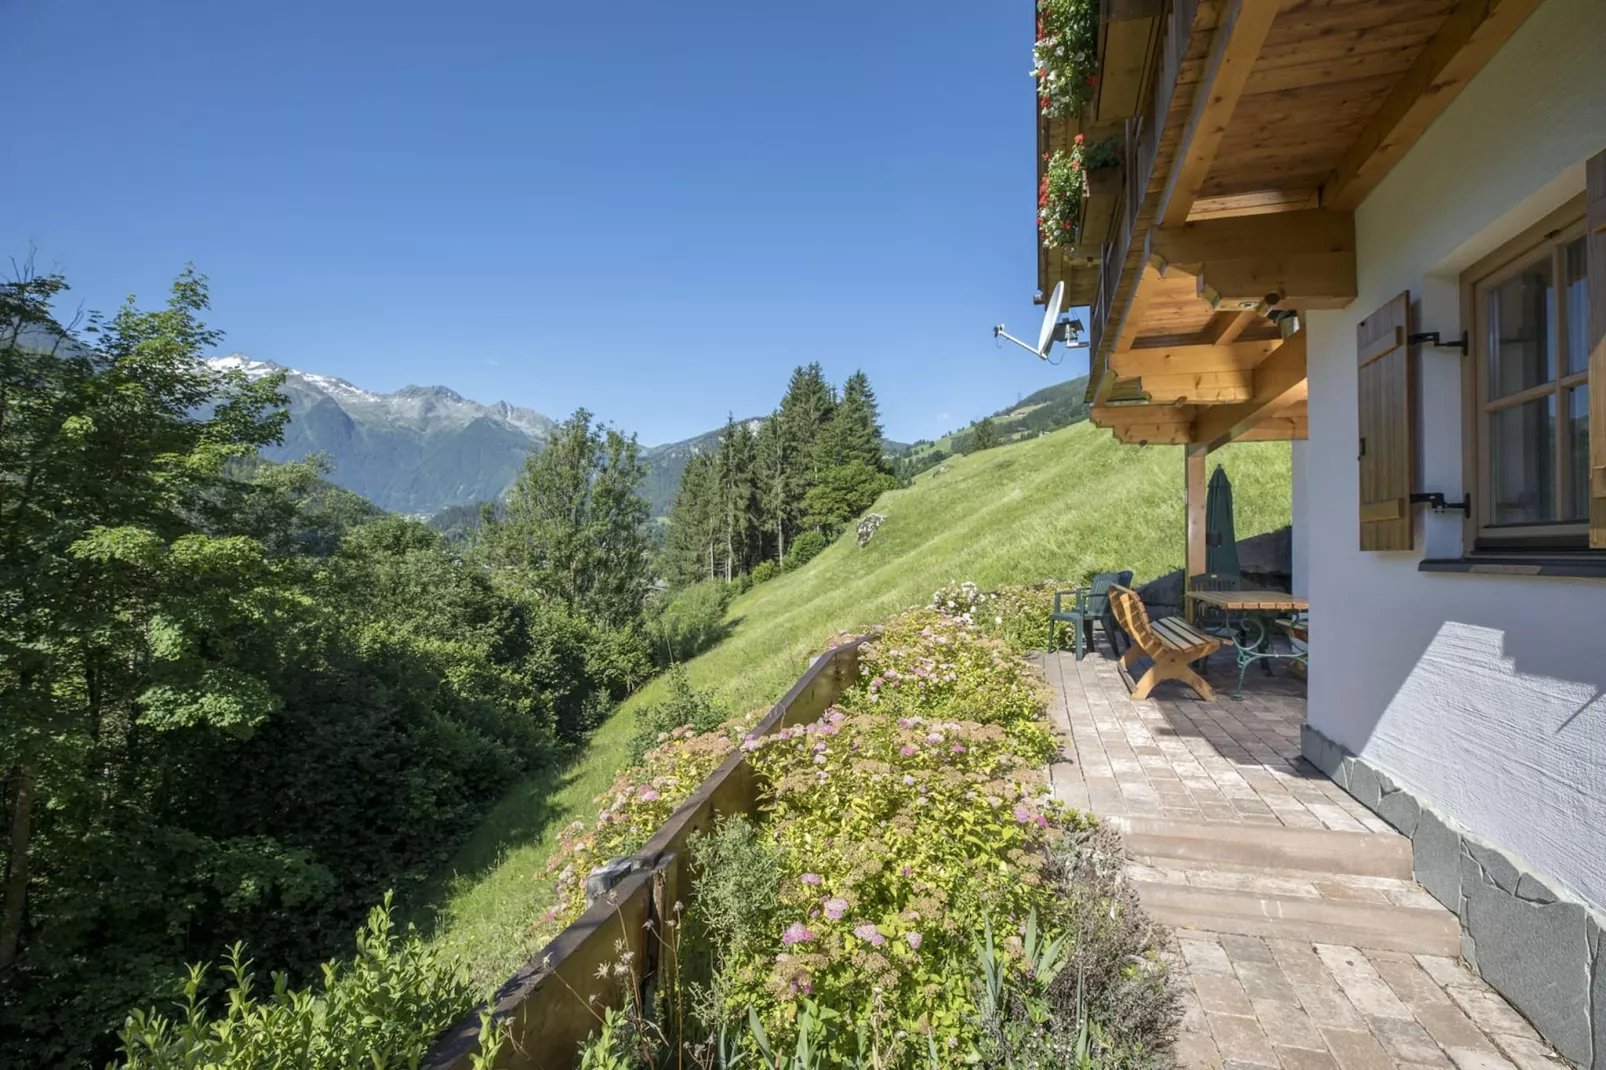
{"points": [[835, 907], [959, 748], [867, 932], [1022, 814], [811, 878], [796, 933], [935, 737], [909, 750], [648, 795], [914, 940]]}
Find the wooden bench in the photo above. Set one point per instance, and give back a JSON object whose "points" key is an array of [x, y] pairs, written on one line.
{"points": [[1170, 642]]}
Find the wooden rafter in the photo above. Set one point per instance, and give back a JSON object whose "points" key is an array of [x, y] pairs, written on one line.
{"points": [[1185, 359], [1472, 33], [1225, 327], [1233, 51], [1144, 293], [1290, 260], [1280, 383], [1285, 234]]}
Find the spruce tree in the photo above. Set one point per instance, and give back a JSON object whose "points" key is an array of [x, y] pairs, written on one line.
{"points": [[738, 500], [985, 437], [771, 472], [688, 554], [854, 432]]}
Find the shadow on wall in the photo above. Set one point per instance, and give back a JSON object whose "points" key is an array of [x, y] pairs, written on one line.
{"points": [[1492, 728]]}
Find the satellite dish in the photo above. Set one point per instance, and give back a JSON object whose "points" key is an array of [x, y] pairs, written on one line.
{"points": [[1051, 312], [1052, 328]]}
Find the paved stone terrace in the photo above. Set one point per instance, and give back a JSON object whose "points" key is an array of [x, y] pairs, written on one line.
{"points": [[1280, 995]]}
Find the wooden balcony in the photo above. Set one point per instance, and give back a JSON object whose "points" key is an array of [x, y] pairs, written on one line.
{"points": [[1253, 128]]}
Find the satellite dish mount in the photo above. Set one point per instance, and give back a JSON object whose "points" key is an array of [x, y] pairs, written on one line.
{"points": [[1052, 330]]}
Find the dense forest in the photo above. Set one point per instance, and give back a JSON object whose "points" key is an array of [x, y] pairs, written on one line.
{"points": [[242, 704], [776, 495]]}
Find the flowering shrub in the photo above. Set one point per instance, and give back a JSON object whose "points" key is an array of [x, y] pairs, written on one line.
{"points": [[1065, 56], [1060, 196], [906, 817], [1017, 615], [898, 836], [641, 799], [902, 830], [927, 662]]}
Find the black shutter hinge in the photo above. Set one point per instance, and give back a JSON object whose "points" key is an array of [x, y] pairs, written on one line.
{"points": [[1432, 338], [1436, 501]]}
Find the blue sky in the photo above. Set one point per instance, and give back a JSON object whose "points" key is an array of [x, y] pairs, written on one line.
{"points": [[653, 210]]}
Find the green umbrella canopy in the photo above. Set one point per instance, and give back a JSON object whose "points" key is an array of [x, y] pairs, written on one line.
{"points": [[1221, 543]]}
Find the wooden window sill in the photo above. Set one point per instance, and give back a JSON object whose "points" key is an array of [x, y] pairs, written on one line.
{"points": [[1584, 564]]}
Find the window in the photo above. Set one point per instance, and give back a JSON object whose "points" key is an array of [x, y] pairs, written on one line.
{"points": [[1529, 418]]}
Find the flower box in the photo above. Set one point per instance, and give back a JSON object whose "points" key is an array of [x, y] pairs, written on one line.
{"points": [[1104, 187]]}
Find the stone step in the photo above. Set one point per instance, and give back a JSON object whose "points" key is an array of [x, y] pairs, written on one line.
{"points": [[1321, 921], [1271, 847]]}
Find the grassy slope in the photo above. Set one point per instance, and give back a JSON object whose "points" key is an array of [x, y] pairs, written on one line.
{"points": [[1053, 507]]}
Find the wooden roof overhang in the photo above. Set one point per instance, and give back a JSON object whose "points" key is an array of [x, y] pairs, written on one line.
{"points": [[1253, 128]]}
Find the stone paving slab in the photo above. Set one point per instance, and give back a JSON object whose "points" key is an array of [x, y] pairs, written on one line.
{"points": [[1281, 1002], [1298, 1005]]}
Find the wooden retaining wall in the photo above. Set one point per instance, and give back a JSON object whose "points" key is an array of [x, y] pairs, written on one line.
{"points": [[544, 1003]]}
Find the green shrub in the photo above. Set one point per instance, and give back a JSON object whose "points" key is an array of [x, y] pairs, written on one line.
{"points": [[690, 621], [640, 799], [382, 1009], [1017, 615], [927, 662], [1115, 966], [805, 548], [738, 877], [764, 571], [685, 707]]}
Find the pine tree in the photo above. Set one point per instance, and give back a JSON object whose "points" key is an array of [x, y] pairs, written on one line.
{"points": [[738, 500], [854, 432], [806, 409], [576, 521], [693, 522], [771, 468], [985, 437]]}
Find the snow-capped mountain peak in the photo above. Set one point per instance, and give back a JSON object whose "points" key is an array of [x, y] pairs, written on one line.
{"points": [[415, 450]]}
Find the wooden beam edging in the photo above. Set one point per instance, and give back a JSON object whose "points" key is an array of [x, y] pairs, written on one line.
{"points": [[548, 1021]]}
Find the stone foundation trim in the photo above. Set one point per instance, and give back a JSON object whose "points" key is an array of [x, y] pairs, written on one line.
{"points": [[1541, 950]]}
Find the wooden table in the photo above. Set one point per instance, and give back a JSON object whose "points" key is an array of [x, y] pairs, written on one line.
{"points": [[1248, 614], [1278, 602]]}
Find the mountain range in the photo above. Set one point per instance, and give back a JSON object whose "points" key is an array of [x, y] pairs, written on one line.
{"points": [[417, 450], [422, 449]]}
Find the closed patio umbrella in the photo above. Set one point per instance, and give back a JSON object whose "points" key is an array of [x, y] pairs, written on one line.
{"points": [[1221, 544]]}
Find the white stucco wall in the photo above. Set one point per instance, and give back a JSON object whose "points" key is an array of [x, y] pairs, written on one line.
{"points": [[1485, 695]]}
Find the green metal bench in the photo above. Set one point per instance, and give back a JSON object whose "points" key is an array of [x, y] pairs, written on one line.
{"points": [[1089, 604]]}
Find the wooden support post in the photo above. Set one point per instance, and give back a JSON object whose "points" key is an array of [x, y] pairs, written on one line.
{"points": [[1194, 455]]}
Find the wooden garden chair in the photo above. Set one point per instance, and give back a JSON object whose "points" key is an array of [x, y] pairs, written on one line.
{"points": [[1171, 643]]}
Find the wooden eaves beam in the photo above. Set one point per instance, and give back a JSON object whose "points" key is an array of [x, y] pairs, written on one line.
{"points": [[1233, 51], [1297, 260], [1472, 33], [1280, 383]]}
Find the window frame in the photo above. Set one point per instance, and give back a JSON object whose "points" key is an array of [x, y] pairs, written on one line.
{"points": [[1553, 233]]}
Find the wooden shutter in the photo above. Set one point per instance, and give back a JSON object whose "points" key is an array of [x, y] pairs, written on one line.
{"points": [[1385, 405], [1596, 215]]}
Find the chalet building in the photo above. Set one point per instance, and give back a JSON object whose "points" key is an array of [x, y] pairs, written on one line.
{"points": [[1378, 228]]}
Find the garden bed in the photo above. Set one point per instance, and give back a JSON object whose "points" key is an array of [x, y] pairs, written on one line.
{"points": [[873, 874]]}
